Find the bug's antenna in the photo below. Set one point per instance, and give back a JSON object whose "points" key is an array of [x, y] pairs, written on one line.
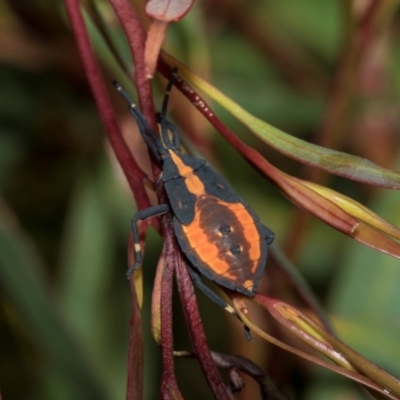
{"points": [[149, 136], [165, 125], [167, 92]]}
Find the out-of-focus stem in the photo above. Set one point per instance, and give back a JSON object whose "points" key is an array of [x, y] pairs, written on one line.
{"points": [[357, 40], [136, 36], [131, 170], [196, 331]]}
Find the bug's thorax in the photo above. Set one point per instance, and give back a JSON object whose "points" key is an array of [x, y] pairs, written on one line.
{"points": [[192, 181]]}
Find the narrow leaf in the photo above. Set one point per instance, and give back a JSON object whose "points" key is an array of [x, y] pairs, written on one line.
{"points": [[138, 273], [335, 162], [272, 306], [356, 209], [292, 319], [375, 239], [358, 362], [156, 301], [23, 283], [313, 202], [371, 229]]}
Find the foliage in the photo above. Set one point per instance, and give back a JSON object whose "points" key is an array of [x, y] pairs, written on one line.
{"points": [[66, 207]]}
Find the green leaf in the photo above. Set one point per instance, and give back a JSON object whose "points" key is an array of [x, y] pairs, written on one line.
{"points": [[96, 213], [335, 162], [22, 280], [366, 294]]}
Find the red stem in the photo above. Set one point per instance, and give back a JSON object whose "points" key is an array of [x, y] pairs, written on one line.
{"points": [[169, 386], [366, 25], [135, 379], [248, 153], [251, 155], [133, 173], [136, 36], [196, 331], [333, 125]]}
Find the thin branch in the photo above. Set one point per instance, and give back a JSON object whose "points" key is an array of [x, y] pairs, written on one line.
{"points": [[332, 128], [93, 8], [286, 55], [169, 386], [196, 331], [133, 173], [251, 155], [136, 36]]}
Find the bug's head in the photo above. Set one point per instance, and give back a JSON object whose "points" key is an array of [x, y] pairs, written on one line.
{"points": [[169, 133]]}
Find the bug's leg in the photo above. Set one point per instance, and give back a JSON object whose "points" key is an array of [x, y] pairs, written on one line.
{"points": [[215, 298], [141, 215], [208, 292], [268, 234]]}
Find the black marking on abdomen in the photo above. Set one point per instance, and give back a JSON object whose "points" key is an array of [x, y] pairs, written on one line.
{"points": [[216, 218]]}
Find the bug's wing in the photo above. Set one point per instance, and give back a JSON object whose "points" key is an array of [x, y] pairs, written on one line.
{"points": [[181, 200], [215, 185], [171, 170]]}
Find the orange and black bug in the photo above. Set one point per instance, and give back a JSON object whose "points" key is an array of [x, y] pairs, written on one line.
{"points": [[218, 232]]}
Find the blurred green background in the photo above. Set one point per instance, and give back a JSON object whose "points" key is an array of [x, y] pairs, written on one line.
{"points": [[65, 208]]}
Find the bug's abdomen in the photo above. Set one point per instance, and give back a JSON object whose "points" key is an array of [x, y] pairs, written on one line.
{"points": [[224, 242]]}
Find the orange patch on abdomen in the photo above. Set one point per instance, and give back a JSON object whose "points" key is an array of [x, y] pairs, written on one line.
{"points": [[233, 255]]}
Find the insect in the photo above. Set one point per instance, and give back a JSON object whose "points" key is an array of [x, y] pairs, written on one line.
{"points": [[220, 235]]}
